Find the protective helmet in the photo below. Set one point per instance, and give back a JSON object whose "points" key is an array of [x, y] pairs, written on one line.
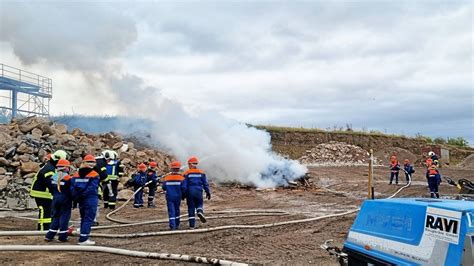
{"points": [[142, 166], [153, 164], [63, 163], [431, 153], [175, 165], [193, 160], [58, 155], [110, 155], [89, 158]]}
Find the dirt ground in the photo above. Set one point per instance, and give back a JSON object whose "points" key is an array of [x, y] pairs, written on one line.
{"points": [[338, 189]]}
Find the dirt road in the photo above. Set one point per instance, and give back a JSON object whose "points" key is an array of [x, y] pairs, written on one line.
{"points": [[344, 188]]}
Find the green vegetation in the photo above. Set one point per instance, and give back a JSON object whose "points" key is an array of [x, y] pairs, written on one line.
{"points": [[459, 141]]}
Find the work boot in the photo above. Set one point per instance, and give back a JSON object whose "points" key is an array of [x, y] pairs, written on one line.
{"points": [[88, 242], [48, 239], [201, 217], [63, 240], [151, 205]]}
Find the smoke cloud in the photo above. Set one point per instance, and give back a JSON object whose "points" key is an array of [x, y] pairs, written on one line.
{"points": [[229, 151]]}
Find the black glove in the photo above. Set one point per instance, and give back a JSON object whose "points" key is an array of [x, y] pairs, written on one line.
{"points": [[74, 204], [208, 195], [183, 196]]}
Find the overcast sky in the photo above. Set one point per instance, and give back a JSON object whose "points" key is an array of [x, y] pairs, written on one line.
{"points": [[394, 66]]}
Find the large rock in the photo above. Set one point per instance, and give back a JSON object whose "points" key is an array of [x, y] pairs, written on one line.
{"points": [[47, 129], [5, 138], [77, 132], [3, 182], [25, 148], [29, 124], [117, 145], [37, 133], [29, 167], [24, 158], [4, 162], [60, 129]]}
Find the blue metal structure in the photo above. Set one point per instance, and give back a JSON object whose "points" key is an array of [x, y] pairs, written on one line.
{"points": [[27, 93], [412, 232]]}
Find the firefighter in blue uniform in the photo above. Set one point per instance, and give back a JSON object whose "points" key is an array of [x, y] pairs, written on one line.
{"points": [[60, 186], [196, 182], [40, 192], [394, 169], [434, 180], [114, 171], [85, 191], [409, 169], [138, 180], [152, 177], [174, 186], [434, 158]]}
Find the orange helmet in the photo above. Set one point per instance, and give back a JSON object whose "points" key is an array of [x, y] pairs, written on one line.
{"points": [[153, 164], [193, 159], [63, 163], [89, 158], [142, 166], [175, 165]]}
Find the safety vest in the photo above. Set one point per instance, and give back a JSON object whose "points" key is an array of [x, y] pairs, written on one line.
{"points": [[39, 186], [113, 170]]}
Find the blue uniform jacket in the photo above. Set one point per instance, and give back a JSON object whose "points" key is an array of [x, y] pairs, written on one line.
{"points": [[174, 185], [433, 176], [196, 180], [151, 176], [64, 191], [409, 168], [139, 179], [85, 183]]}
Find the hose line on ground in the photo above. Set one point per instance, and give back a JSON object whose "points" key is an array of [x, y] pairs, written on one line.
{"points": [[119, 251]]}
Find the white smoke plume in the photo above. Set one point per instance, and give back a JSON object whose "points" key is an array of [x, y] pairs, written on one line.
{"points": [[229, 151]]}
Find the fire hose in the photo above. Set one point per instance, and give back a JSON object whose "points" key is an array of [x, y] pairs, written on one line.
{"points": [[149, 234], [119, 251]]}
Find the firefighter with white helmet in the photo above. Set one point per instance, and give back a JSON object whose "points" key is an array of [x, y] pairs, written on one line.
{"points": [[40, 192]]}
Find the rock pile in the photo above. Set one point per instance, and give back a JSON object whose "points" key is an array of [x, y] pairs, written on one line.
{"points": [[335, 154], [25, 143]]}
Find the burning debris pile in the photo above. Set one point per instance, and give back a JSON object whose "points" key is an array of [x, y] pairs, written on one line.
{"points": [[25, 143], [335, 154]]}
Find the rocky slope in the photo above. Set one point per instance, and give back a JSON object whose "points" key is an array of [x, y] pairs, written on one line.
{"points": [[25, 143]]}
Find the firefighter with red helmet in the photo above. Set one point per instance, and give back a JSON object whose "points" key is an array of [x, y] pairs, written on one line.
{"points": [[138, 181], [196, 182], [60, 187], [40, 192], [152, 177], [85, 191], [174, 186], [394, 169]]}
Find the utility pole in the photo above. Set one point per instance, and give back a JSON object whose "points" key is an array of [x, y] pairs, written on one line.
{"points": [[371, 195]]}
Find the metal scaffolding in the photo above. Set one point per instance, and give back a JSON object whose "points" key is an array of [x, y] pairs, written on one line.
{"points": [[23, 93]]}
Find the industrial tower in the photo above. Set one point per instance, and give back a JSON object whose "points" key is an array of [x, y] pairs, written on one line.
{"points": [[23, 93]]}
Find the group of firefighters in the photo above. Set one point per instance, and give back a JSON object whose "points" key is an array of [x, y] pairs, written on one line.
{"points": [[57, 191], [433, 175]]}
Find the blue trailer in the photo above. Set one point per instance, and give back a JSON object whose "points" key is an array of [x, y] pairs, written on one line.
{"points": [[411, 232]]}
